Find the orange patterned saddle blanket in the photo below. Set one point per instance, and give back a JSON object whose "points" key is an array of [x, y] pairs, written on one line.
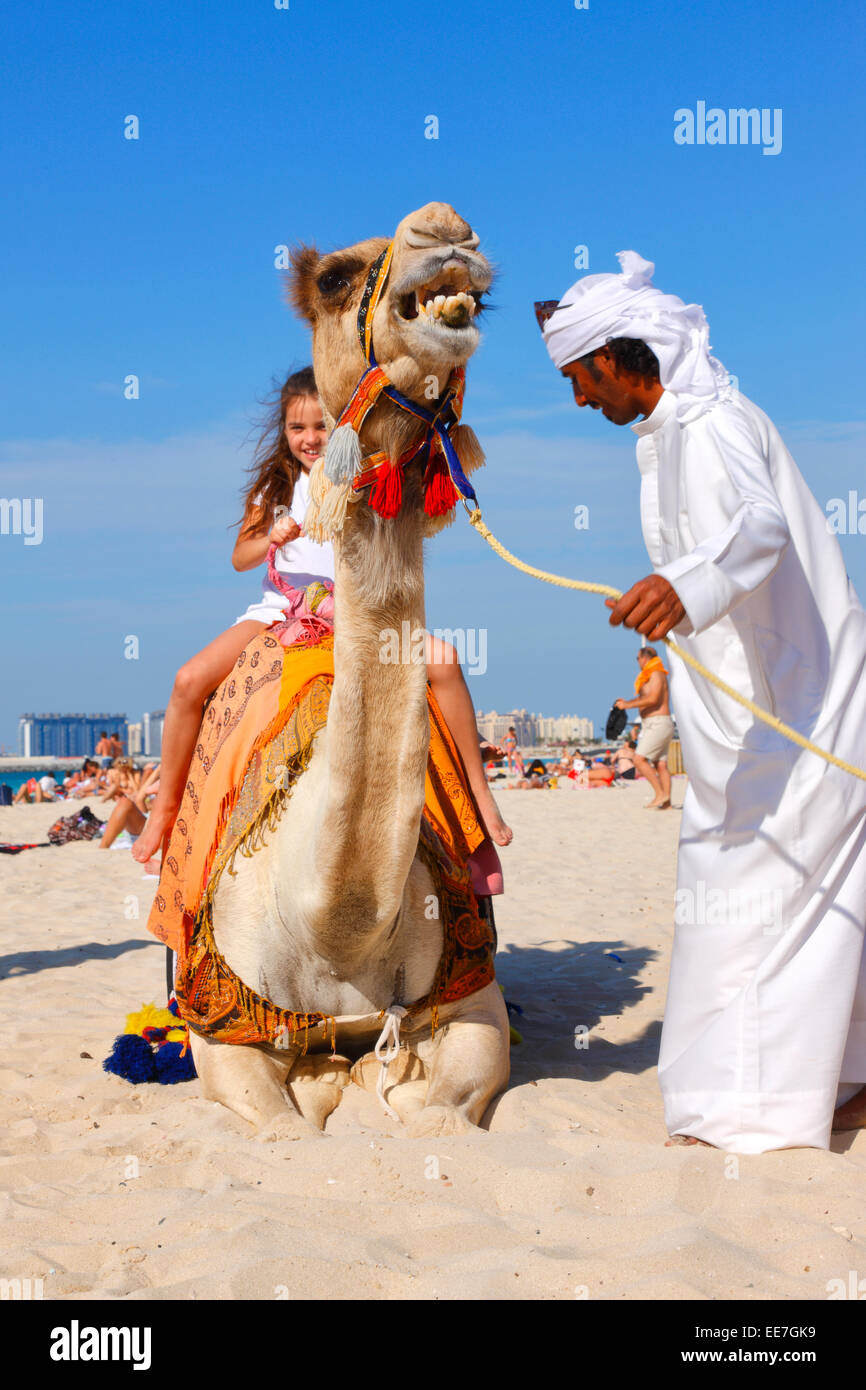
{"points": [[256, 738]]}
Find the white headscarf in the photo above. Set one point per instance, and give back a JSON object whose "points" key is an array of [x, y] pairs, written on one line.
{"points": [[600, 307]]}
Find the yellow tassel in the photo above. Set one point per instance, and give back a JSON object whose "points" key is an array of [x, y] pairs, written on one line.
{"points": [[332, 512], [328, 504], [319, 484], [319, 488], [149, 1016]]}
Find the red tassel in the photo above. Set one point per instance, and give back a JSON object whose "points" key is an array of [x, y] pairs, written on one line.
{"points": [[386, 494], [441, 494]]}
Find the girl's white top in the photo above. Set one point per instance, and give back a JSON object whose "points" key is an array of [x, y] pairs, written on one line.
{"points": [[299, 562]]}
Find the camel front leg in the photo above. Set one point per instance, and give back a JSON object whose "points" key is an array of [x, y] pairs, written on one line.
{"points": [[252, 1083], [468, 1064]]}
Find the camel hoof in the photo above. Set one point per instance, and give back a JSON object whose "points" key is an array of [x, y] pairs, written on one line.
{"points": [[407, 1100], [287, 1126], [316, 1100], [438, 1121], [405, 1067]]}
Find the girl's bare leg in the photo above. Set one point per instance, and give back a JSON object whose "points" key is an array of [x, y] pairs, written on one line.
{"points": [[452, 693], [193, 683]]}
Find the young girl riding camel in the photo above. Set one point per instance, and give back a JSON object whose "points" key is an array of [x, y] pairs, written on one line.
{"points": [[274, 506]]}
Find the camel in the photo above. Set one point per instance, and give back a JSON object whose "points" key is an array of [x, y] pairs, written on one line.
{"points": [[333, 909]]}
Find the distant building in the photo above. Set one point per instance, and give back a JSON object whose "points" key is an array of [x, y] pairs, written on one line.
{"points": [[494, 726], [66, 735], [533, 728], [134, 744], [151, 732], [564, 728]]}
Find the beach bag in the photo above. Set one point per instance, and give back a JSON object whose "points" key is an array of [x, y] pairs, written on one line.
{"points": [[616, 722], [81, 826], [5, 794]]}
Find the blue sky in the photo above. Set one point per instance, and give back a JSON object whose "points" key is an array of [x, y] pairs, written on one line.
{"points": [[261, 126]]}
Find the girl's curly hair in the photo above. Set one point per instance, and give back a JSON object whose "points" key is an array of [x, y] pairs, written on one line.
{"points": [[274, 469]]}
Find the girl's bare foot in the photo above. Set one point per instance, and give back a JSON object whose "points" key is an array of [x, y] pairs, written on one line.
{"points": [[160, 820], [658, 805], [499, 832], [685, 1141]]}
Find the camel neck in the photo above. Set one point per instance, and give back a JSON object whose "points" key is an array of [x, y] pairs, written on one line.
{"points": [[378, 728]]}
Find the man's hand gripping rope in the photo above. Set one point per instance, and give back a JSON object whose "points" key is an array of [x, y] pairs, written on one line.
{"points": [[652, 608]]}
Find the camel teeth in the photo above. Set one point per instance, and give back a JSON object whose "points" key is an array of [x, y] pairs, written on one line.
{"points": [[456, 304], [437, 305]]}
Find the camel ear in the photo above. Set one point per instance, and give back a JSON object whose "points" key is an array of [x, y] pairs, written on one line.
{"points": [[300, 281]]}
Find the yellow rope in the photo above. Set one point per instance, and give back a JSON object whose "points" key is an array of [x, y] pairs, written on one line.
{"points": [[586, 587]]}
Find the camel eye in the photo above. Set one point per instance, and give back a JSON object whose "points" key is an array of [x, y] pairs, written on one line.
{"points": [[332, 282]]}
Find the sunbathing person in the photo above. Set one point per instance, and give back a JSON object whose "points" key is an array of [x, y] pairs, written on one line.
{"points": [[123, 779], [36, 789], [536, 775], [130, 813], [624, 761], [597, 775]]}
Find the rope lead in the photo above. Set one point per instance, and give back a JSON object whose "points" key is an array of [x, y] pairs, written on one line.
{"points": [[561, 582]]}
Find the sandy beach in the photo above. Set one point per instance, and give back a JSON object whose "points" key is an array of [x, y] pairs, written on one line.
{"points": [[113, 1191]]}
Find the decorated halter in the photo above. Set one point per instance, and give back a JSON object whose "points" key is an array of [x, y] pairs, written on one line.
{"points": [[346, 468]]}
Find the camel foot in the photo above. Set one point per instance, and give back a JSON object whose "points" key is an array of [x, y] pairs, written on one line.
{"points": [[316, 1085], [405, 1067], [289, 1125], [439, 1121], [851, 1115], [407, 1100]]}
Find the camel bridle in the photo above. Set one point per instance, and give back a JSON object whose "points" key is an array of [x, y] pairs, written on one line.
{"points": [[445, 480]]}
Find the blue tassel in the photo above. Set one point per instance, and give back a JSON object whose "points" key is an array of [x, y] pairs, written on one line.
{"points": [[342, 455], [171, 1067], [131, 1058]]}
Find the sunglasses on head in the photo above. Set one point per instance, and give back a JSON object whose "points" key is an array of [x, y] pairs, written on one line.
{"points": [[544, 308]]}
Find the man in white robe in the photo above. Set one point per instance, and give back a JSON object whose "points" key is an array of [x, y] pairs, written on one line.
{"points": [[765, 1021]]}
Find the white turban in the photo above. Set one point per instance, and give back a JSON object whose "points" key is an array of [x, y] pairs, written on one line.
{"points": [[600, 307]]}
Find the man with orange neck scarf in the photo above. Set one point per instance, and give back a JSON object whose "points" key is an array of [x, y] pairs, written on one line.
{"points": [[657, 727]]}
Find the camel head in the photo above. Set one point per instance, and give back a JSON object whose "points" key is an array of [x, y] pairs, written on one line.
{"points": [[424, 326]]}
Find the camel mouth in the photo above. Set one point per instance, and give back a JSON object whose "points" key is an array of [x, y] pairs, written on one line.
{"points": [[448, 301]]}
